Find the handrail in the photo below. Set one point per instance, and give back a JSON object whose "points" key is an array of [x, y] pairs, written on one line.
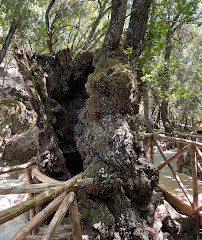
{"points": [[49, 189], [173, 158], [23, 207], [18, 167], [184, 190], [33, 188], [39, 218], [172, 139], [43, 178], [188, 135]]}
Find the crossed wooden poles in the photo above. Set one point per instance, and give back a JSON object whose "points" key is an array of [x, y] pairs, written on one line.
{"points": [[62, 193], [193, 148]]}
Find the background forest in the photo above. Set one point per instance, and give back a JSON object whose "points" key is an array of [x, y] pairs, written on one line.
{"points": [[169, 55]]}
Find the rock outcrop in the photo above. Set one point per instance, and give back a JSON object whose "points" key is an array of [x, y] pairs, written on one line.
{"points": [[18, 140]]}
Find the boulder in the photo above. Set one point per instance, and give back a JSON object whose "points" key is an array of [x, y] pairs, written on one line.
{"points": [[21, 147]]}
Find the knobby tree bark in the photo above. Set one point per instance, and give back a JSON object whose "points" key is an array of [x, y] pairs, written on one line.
{"points": [[50, 157], [8, 39]]}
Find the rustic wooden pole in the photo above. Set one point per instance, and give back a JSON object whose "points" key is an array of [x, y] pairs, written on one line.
{"points": [[192, 151], [59, 215], [151, 150], [34, 188], [199, 167], [87, 183], [199, 153], [188, 135], [30, 195], [197, 210], [23, 207], [74, 218], [187, 195], [39, 218], [185, 149], [172, 139], [178, 161], [16, 168], [43, 178]]}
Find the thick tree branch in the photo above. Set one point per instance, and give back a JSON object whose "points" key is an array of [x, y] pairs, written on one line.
{"points": [[113, 35], [137, 25], [96, 23], [49, 31], [47, 14]]}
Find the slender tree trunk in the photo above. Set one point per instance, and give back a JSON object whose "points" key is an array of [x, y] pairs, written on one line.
{"points": [[7, 41], [49, 30], [113, 35], [146, 107], [166, 81]]}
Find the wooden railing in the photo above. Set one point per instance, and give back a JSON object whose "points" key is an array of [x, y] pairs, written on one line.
{"points": [[63, 194], [199, 153], [193, 147]]}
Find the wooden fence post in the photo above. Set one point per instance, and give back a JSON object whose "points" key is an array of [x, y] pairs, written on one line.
{"points": [[178, 161], [30, 195], [151, 149], [74, 218], [192, 150]]}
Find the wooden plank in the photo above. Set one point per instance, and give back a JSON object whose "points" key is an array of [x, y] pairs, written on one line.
{"points": [[174, 194], [176, 202]]}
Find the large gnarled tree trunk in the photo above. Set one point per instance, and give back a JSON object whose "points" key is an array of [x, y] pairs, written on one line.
{"points": [[100, 114]]}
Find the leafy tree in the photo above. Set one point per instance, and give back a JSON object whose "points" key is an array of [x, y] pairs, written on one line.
{"points": [[15, 18], [167, 17]]}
